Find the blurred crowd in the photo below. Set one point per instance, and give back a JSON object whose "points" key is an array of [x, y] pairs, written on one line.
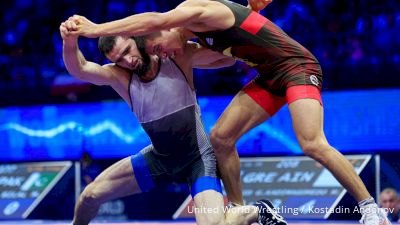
{"points": [[357, 43], [390, 201]]}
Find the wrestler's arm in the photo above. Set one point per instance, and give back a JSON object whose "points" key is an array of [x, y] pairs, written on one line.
{"points": [[220, 63], [204, 58], [258, 5], [191, 13], [76, 63], [139, 24]]}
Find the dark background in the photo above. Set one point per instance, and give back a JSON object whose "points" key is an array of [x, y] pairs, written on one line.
{"points": [[357, 43]]}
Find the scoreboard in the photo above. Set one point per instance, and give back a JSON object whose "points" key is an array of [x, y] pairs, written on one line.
{"points": [[298, 187], [23, 186]]}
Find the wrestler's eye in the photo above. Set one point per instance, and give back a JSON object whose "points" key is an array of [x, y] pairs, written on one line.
{"points": [[126, 51], [156, 49]]}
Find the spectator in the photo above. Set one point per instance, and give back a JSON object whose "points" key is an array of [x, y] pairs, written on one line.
{"points": [[89, 169], [389, 199]]}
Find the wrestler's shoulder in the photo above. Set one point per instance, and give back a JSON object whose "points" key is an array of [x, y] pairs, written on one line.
{"points": [[196, 3]]}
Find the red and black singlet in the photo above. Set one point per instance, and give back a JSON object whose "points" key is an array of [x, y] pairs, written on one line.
{"points": [[260, 43]]}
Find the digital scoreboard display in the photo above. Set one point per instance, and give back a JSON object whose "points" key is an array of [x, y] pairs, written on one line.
{"points": [[23, 186], [299, 187]]}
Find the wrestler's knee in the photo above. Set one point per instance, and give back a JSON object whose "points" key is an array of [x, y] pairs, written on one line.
{"points": [[316, 148], [91, 196], [221, 141]]}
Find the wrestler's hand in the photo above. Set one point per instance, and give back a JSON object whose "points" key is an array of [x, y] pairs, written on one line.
{"points": [[84, 27], [66, 29], [258, 5]]}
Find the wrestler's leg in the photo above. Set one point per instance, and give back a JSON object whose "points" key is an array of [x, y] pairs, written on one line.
{"points": [[307, 117], [249, 108], [115, 182]]}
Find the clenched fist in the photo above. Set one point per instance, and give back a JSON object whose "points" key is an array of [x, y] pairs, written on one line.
{"points": [[83, 26]]}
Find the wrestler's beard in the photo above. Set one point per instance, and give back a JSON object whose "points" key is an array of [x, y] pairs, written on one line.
{"points": [[142, 70]]}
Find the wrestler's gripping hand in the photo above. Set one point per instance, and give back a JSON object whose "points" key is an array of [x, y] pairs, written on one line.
{"points": [[84, 27], [258, 5], [66, 29]]}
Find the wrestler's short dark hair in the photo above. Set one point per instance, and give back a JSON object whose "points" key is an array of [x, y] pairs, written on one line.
{"points": [[106, 44], [140, 42]]}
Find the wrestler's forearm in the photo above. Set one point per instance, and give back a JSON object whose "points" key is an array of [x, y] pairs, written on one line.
{"points": [[136, 25], [82, 69], [221, 63], [73, 58]]}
